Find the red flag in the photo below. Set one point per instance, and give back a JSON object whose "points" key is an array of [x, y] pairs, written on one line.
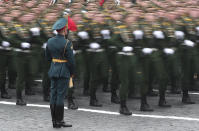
{"points": [[101, 2], [71, 24]]}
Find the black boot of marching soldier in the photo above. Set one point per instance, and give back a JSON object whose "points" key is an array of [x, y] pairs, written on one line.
{"points": [[71, 104], [144, 105], [162, 100], [93, 98], [186, 98], [124, 109]]}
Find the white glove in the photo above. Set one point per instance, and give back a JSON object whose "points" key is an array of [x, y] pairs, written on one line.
{"points": [[94, 46], [83, 11], [147, 50], [52, 2], [25, 45], [117, 2], [179, 34], [106, 34], [35, 31], [83, 35], [138, 34], [168, 51], [189, 43], [127, 49], [158, 34], [55, 32], [5, 44], [44, 45], [197, 28]]}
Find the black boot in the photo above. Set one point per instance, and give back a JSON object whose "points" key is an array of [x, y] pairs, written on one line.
{"points": [[52, 110], [20, 100], [114, 98], [59, 114], [144, 105], [71, 104], [4, 95], [163, 103], [186, 98], [123, 108], [93, 98]]}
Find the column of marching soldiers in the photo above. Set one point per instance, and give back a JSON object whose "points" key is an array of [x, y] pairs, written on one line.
{"points": [[126, 48]]}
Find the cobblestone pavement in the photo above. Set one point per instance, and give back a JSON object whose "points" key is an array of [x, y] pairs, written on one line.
{"points": [[17, 118]]}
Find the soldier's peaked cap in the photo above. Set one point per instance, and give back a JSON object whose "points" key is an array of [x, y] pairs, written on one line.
{"points": [[59, 24]]}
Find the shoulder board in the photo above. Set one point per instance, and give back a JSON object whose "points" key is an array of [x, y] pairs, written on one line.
{"points": [[13, 32], [188, 19], [122, 26], [17, 25], [93, 23], [166, 23]]}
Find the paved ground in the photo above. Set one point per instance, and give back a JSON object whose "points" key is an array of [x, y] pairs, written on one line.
{"points": [[179, 118]]}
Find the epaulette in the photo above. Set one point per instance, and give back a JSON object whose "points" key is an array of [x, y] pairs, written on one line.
{"points": [[122, 26], [44, 23], [93, 23], [188, 19], [13, 32], [166, 24], [17, 25]]}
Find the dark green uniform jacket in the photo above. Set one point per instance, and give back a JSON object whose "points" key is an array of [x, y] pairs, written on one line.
{"points": [[55, 50]]}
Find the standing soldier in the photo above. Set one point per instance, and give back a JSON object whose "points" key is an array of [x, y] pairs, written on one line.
{"points": [[60, 52]]}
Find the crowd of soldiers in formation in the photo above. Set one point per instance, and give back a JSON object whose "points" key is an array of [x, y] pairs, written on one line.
{"points": [[126, 47]]}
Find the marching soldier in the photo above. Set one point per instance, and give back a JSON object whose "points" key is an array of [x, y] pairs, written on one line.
{"points": [[97, 58], [186, 50], [20, 39], [46, 34], [6, 56]]}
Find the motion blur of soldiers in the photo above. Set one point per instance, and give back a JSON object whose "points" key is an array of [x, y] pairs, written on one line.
{"points": [[129, 48]]}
